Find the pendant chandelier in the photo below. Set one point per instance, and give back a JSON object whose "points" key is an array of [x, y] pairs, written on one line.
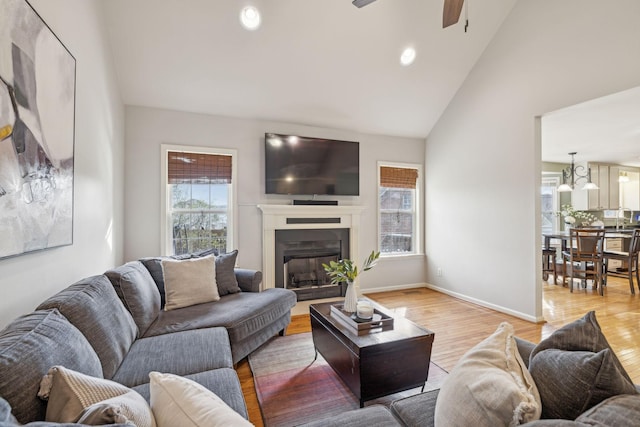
{"points": [[572, 174]]}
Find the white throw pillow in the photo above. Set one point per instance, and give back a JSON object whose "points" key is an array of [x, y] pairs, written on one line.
{"points": [[189, 282], [178, 401], [490, 386]]}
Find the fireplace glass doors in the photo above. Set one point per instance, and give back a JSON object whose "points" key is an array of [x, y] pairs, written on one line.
{"points": [[299, 258]]}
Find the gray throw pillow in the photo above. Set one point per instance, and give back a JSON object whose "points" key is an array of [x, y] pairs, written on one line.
{"points": [[225, 273], [570, 382], [583, 334]]}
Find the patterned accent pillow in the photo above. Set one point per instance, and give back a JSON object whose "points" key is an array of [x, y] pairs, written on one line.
{"points": [[73, 396]]}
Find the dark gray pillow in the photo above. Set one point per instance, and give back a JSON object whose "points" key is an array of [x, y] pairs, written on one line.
{"points": [[570, 382], [225, 274], [583, 334], [138, 292]]}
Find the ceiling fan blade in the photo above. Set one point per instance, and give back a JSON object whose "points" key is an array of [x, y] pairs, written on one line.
{"points": [[362, 3], [451, 14]]}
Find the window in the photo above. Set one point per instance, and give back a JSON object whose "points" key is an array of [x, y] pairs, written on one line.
{"points": [[549, 204], [198, 200], [398, 208]]}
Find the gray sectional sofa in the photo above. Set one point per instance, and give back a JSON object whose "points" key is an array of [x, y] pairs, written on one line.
{"points": [[578, 380], [113, 326]]}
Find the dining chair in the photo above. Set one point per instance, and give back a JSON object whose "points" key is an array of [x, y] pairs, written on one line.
{"points": [[584, 253], [630, 258], [549, 264]]}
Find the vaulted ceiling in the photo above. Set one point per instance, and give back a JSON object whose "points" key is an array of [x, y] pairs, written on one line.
{"points": [[314, 62]]}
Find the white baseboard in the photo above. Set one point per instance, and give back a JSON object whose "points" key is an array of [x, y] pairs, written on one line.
{"points": [[487, 305], [393, 288]]}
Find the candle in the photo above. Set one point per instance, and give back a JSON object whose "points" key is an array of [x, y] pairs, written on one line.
{"points": [[364, 310]]}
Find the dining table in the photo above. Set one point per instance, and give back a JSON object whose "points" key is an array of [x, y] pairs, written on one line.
{"points": [[565, 238]]}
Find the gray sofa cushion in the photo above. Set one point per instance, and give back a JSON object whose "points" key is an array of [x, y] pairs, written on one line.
{"points": [[32, 344], [374, 415], [241, 349], [5, 413], [93, 307], [180, 353], [223, 382], [242, 314], [416, 410], [137, 291], [621, 410]]}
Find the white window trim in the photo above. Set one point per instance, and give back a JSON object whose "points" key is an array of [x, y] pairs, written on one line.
{"points": [[166, 238], [418, 244]]}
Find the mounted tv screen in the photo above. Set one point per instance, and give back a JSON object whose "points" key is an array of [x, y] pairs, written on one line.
{"points": [[311, 166]]}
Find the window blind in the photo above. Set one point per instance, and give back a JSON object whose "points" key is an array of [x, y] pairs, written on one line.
{"points": [[198, 168], [398, 177]]}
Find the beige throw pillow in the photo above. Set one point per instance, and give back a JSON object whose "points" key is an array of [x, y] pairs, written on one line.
{"points": [[490, 386], [178, 401], [189, 282], [73, 396]]}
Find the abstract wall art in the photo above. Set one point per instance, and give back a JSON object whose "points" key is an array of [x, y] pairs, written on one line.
{"points": [[37, 114]]}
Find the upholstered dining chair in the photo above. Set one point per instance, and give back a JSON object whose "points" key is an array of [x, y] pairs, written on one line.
{"points": [[585, 257], [630, 258]]}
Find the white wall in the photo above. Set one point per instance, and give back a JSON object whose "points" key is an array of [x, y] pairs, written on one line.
{"points": [[483, 157], [147, 128], [27, 280]]}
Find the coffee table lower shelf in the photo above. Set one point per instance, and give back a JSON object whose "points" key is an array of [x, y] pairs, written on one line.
{"points": [[376, 364]]}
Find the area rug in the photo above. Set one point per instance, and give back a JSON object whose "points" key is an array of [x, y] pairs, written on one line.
{"points": [[292, 389]]}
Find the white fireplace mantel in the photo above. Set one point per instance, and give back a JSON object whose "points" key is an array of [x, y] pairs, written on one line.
{"points": [[303, 217]]}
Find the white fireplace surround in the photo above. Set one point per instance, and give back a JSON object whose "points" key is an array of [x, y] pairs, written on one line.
{"points": [[302, 217]]}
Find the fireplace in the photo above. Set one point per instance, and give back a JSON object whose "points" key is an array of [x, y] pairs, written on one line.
{"points": [[310, 221], [299, 255]]}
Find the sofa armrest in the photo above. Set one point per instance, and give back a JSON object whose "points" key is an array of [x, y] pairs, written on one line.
{"points": [[248, 280]]}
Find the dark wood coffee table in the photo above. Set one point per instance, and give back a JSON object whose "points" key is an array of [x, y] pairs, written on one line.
{"points": [[375, 364]]}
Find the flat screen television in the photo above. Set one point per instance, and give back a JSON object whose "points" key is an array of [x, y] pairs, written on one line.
{"points": [[300, 165]]}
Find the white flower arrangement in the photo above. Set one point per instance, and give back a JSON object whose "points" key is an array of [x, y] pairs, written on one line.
{"points": [[572, 215]]}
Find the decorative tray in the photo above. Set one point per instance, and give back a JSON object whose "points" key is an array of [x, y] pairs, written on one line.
{"points": [[361, 326]]}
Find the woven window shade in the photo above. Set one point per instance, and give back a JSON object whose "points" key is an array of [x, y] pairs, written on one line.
{"points": [[198, 168], [398, 177]]}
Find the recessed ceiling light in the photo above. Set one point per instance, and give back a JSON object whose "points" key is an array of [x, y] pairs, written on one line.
{"points": [[408, 56], [250, 18]]}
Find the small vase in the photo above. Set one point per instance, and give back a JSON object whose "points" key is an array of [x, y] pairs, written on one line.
{"points": [[351, 298]]}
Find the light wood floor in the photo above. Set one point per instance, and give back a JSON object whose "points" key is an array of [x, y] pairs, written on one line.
{"points": [[459, 325]]}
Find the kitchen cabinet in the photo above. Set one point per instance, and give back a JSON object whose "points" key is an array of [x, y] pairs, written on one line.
{"points": [[611, 193], [630, 190], [606, 196]]}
